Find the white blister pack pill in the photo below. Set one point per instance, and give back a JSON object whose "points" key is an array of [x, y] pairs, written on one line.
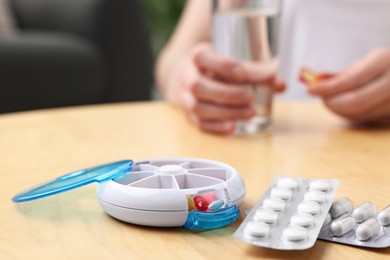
{"points": [[360, 226], [290, 214]]}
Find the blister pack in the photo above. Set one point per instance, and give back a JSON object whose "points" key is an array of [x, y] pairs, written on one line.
{"points": [[290, 214], [361, 226]]}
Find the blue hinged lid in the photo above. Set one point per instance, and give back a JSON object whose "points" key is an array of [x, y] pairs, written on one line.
{"points": [[70, 181]]}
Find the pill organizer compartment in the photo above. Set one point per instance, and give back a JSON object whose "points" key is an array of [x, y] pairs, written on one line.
{"points": [[358, 226], [169, 192], [289, 215]]}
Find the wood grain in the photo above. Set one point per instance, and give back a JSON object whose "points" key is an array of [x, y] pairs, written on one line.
{"points": [[305, 141]]}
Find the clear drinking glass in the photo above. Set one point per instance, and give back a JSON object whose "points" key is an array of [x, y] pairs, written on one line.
{"points": [[247, 30]]}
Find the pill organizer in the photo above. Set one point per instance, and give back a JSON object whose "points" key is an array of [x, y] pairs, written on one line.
{"points": [[290, 214], [169, 192], [360, 226]]}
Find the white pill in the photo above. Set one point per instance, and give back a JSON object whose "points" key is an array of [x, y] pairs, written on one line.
{"points": [[257, 229], [266, 215], [274, 204], [342, 226], [364, 211], [287, 183], [302, 220], [340, 207], [295, 234], [321, 185], [327, 220], [281, 193], [309, 207], [384, 216], [315, 195], [368, 229], [216, 204]]}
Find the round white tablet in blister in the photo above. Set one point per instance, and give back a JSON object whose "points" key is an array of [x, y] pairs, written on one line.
{"points": [[302, 220], [274, 204], [288, 183], [266, 215], [257, 229], [281, 193], [309, 207], [295, 234], [315, 195], [322, 185]]}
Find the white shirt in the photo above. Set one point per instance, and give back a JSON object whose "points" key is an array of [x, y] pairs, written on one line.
{"points": [[329, 35]]}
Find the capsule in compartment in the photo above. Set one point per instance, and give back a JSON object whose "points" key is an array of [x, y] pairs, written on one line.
{"points": [[364, 211], [368, 229], [340, 207], [384, 216], [342, 226]]}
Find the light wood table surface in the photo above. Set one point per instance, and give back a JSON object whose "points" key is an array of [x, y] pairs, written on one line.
{"points": [[305, 141]]}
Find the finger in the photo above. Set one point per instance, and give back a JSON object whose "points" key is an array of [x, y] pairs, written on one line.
{"points": [[358, 102], [377, 115], [218, 127], [209, 90], [279, 85], [233, 70], [353, 77], [210, 112], [207, 59]]}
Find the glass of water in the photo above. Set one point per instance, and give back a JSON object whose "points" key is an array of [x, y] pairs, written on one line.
{"points": [[247, 30]]}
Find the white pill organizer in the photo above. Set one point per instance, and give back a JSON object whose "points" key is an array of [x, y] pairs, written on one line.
{"points": [[361, 226], [196, 193], [290, 214]]}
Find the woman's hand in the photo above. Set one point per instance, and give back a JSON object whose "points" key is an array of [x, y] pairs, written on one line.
{"points": [[215, 90], [361, 92]]}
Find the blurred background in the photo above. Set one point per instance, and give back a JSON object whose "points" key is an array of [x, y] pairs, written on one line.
{"points": [[56, 53], [162, 17]]}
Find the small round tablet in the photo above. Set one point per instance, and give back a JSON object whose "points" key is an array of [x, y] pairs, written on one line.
{"points": [[321, 185], [309, 207], [274, 204], [384, 216], [315, 195], [368, 229], [340, 207], [302, 220], [257, 229], [287, 183], [266, 215], [294, 234], [342, 226], [364, 211], [281, 193]]}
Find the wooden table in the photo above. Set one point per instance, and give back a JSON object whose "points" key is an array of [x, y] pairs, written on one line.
{"points": [[306, 141]]}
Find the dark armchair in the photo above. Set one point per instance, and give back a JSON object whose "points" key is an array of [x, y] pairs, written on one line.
{"points": [[74, 52]]}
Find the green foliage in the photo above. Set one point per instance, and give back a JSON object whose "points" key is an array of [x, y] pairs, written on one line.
{"points": [[162, 16]]}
